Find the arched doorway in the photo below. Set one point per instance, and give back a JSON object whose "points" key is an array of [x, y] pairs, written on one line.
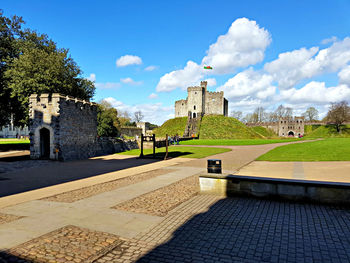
{"points": [[44, 143], [194, 115], [291, 133]]}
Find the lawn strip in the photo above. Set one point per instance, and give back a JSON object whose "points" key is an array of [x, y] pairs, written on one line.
{"points": [[332, 149], [178, 151], [237, 141]]}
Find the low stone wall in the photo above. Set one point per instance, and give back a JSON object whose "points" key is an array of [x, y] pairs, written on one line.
{"points": [[111, 145], [300, 190], [131, 131]]}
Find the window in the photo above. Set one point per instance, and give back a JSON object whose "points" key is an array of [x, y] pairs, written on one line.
{"points": [[195, 92], [194, 107], [281, 121]]}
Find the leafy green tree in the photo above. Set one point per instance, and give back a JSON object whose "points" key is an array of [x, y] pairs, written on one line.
{"points": [[37, 66], [107, 120]]}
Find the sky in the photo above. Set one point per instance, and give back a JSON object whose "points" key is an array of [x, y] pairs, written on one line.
{"points": [[142, 55]]}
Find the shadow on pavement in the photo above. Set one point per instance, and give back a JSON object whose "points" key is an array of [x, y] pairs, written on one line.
{"points": [[255, 230], [61, 172]]}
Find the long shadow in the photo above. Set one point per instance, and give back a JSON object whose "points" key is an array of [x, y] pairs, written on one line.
{"points": [[240, 229], [6, 257], [61, 172]]}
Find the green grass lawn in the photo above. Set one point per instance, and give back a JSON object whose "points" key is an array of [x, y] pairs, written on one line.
{"points": [[229, 142], [332, 149], [14, 141], [178, 151]]}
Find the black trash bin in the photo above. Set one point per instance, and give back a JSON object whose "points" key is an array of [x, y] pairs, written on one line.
{"points": [[214, 166]]}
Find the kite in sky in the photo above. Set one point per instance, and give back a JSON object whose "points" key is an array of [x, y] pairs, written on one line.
{"points": [[208, 67]]}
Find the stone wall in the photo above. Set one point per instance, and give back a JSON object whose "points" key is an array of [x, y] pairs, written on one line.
{"points": [[131, 131], [181, 108], [215, 103], [64, 128]]}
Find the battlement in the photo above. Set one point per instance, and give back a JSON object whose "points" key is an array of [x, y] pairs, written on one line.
{"points": [[53, 98], [194, 88], [215, 93]]}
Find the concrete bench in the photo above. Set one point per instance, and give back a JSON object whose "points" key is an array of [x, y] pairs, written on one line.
{"points": [[233, 185]]}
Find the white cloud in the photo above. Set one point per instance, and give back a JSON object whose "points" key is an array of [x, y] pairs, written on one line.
{"points": [[344, 76], [151, 68], [211, 82], [130, 81], [155, 113], [329, 40], [92, 77], [316, 92], [153, 96], [249, 83], [108, 85], [292, 67], [182, 78], [128, 60], [243, 45]]}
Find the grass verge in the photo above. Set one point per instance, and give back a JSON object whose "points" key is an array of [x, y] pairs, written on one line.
{"points": [[178, 151], [229, 142], [332, 149], [14, 141]]}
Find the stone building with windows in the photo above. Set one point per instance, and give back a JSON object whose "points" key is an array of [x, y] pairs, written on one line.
{"points": [[200, 102], [291, 127]]}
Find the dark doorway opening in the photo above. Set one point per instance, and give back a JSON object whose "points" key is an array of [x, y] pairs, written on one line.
{"points": [[44, 143], [194, 115], [290, 133]]}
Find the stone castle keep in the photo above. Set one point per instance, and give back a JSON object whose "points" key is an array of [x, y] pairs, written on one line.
{"points": [[200, 102]]}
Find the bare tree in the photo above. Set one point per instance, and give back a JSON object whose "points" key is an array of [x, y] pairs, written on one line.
{"points": [[259, 115], [311, 114], [338, 113], [138, 116], [282, 112], [237, 115]]}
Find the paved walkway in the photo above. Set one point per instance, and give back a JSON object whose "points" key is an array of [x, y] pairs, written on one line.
{"points": [[152, 212]]}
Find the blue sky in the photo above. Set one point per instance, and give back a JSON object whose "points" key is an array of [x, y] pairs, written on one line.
{"points": [[250, 62]]}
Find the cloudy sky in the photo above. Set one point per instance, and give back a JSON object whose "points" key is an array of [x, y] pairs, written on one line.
{"points": [[143, 55]]}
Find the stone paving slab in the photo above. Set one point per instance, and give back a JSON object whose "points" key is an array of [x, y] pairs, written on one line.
{"points": [[67, 244], [72, 196], [316, 171], [161, 201]]}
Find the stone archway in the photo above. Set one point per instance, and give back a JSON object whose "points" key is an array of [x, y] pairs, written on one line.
{"points": [[194, 115], [44, 143], [290, 133]]}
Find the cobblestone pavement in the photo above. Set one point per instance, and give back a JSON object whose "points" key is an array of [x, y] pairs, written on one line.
{"points": [[72, 196], [243, 230], [5, 218], [161, 201], [67, 244], [209, 228]]}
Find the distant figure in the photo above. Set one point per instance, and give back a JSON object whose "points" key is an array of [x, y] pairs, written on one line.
{"points": [[177, 138], [17, 136]]}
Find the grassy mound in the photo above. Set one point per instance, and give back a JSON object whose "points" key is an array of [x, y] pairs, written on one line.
{"points": [[264, 132], [221, 127], [327, 131], [171, 127]]}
